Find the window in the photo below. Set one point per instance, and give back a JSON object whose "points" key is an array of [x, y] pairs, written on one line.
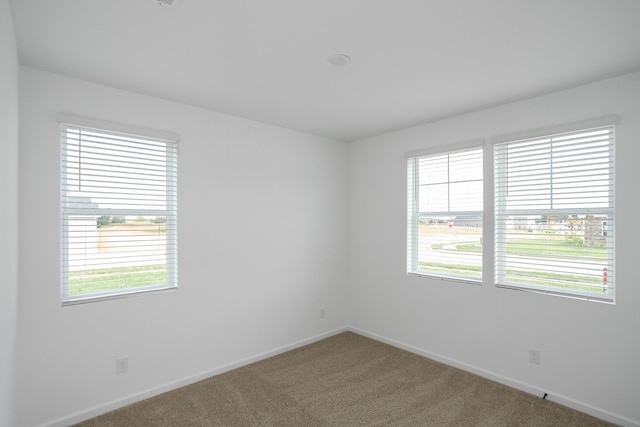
{"points": [[554, 213], [444, 212], [118, 212]]}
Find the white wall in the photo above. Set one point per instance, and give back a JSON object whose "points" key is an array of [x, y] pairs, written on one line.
{"points": [[9, 211], [263, 226], [590, 352], [262, 229]]}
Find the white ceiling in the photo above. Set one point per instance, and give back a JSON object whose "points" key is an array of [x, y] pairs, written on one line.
{"points": [[413, 61]]}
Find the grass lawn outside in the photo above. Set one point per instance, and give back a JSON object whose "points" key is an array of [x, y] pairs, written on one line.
{"points": [[466, 271], [543, 246], [587, 283], [110, 279]]}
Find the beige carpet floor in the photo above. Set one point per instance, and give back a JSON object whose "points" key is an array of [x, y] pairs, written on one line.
{"points": [[345, 380]]}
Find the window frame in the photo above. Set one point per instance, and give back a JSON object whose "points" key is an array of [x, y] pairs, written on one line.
{"points": [[92, 210], [413, 213], [499, 234]]}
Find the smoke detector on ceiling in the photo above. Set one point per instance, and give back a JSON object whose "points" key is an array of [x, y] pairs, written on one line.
{"points": [[169, 3], [339, 59]]}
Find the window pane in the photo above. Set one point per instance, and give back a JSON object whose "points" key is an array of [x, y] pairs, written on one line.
{"points": [[465, 166], [434, 198], [466, 196], [451, 247], [445, 215], [109, 253], [116, 171], [433, 170]]}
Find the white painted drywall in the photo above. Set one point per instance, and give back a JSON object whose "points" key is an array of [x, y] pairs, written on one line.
{"points": [[590, 352], [9, 211], [262, 247]]}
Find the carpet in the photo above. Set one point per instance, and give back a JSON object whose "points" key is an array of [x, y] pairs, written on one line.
{"points": [[345, 380]]}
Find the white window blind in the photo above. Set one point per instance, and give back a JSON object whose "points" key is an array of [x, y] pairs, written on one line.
{"points": [[118, 214], [444, 214], [554, 213]]}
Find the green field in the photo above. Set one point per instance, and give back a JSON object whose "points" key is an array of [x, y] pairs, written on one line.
{"points": [[468, 271], [536, 278], [544, 247], [104, 280]]}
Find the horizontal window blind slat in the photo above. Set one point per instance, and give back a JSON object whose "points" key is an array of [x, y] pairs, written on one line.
{"points": [[120, 147]]}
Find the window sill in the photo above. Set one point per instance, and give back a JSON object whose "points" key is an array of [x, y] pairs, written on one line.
{"points": [[106, 297], [446, 279]]}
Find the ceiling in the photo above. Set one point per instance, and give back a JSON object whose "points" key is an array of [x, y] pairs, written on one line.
{"points": [[412, 61]]}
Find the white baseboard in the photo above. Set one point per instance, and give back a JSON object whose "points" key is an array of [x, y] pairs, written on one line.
{"points": [[527, 388], [518, 385], [146, 394]]}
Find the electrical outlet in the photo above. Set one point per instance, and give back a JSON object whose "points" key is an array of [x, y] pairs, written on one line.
{"points": [[534, 356], [122, 365], [322, 313]]}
